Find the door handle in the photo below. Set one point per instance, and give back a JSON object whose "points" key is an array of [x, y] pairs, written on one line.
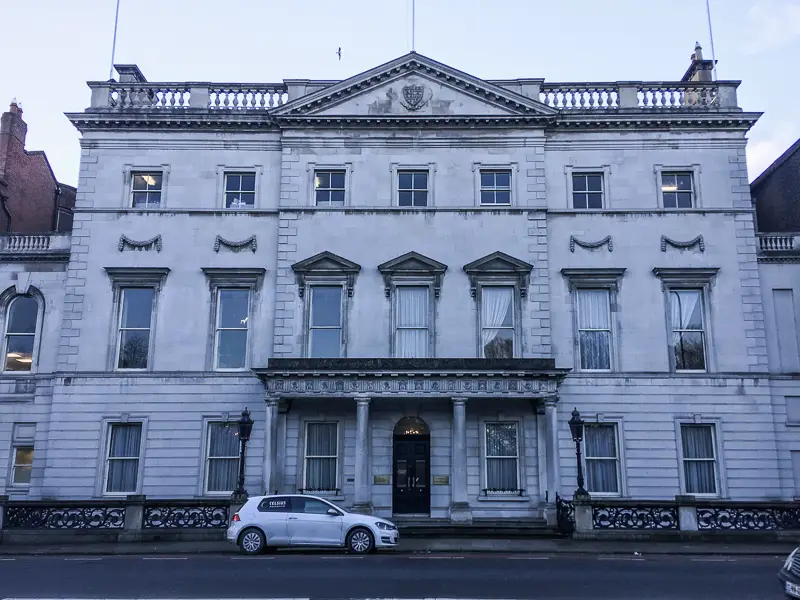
{"points": [[293, 518]]}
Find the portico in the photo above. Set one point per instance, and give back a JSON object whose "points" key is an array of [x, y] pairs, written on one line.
{"points": [[413, 431]]}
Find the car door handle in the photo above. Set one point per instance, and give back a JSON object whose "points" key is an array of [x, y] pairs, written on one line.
{"points": [[293, 518]]}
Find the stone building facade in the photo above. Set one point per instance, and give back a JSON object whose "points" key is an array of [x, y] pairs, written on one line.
{"points": [[410, 278]]}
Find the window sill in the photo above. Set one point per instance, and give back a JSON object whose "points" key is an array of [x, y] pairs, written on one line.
{"points": [[504, 498]]}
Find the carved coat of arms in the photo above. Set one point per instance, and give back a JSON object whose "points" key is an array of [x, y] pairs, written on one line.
{"points": [[415, 96]]}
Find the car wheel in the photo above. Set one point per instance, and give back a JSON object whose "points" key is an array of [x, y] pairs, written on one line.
{"points": [[252, 541], [359, 541]]}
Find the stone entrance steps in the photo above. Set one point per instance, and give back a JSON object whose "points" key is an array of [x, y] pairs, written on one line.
{"points": [[416, 527]]}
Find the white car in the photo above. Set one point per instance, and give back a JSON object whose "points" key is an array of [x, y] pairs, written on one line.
{"points": [[294, 520]]}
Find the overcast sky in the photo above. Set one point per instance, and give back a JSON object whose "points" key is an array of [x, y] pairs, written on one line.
{"points": [[54, 46]]}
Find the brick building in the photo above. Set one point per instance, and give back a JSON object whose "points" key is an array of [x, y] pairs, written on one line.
{"points": [[31, 198]]}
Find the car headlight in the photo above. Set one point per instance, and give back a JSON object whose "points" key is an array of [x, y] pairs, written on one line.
{"points": [[787, 565], [385, 526]]}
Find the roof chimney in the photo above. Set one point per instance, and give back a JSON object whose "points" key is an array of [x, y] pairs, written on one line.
{"points": [[700, 69], [11, 123]]}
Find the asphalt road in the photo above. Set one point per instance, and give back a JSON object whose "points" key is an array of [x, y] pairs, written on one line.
{"points": [[386, 576]]}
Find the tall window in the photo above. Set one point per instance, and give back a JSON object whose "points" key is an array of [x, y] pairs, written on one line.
{"points": [[233, 310], [688, 329], [322, 451], [699, 459], [240, 190], [411, 322], [594, 329], [587, 190], [23, 312], [325, 322], [497, 321], [677, 189], [496, 187], [22, 454], [502, 457], [329, 188], [602, 458], [146, 190], [222, 457], [412, 188], [122, 462], [135, 316]]}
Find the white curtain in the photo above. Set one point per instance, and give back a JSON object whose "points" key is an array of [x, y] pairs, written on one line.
{"points": [[698, 459], [601, 459], [689, 347], [495, 312], [501, 457], [223, 457], [123, 457], [412, 322], [321, 451], [594, 324]]}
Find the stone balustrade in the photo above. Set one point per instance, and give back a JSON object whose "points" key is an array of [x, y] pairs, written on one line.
{"points": [[778, 242], [562, 96], [34, 243]]}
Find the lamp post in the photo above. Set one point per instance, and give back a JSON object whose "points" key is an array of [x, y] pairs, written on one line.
{"points": [[576, 428], [245, 424]]}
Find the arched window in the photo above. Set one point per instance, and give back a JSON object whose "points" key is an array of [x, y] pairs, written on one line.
{"points": [[20, 335]]}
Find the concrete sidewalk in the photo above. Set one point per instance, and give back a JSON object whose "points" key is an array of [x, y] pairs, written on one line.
{"points": [[425, 546]]}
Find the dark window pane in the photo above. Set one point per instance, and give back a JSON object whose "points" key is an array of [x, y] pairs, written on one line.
{"points": [[501, 346], [22, 315], [689, 351], [325, 343], [232, 349], [326, 306], [134, 348], [487, 197], [404, 198], [670, 200], [337, 197], [139, 183], [420, 181], [323, 197], [322, 180], [404, 181], [337, 179], [503, 179], [668, 183], [137, 304], [19, 352], [247, 199], [684, 182], [233, 183], [502, 197], [684, 199], [595, 200], [595, 183], [579, 183], [139, 199], [487, 179], [153, 198], [248, 183], [275, 505], [420, 198], [233, 308], [579, 200]]}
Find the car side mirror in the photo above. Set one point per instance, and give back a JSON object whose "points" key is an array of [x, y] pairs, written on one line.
{"points": [[333, 512]]}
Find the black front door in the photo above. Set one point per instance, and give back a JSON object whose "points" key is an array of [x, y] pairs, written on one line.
{"points": [[411, 491]]}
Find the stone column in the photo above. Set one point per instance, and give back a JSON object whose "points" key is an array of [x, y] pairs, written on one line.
{"points": [[553, 467], [459, 506], [363, 495], [270, 444]]}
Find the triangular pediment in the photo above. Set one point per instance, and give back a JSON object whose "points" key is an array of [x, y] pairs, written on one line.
{"points": [[326, 263], [411, 264], [498, 263], [414, 86]]}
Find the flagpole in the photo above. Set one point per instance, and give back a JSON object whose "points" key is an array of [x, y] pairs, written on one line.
{"points": [[711, 35], [413, 25], [114, 43]]}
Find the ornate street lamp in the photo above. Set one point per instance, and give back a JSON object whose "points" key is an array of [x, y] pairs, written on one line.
{"points": [[245, 424], [576, 428]]}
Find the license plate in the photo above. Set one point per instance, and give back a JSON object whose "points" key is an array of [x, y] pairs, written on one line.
{"points": [[793, 589]]}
